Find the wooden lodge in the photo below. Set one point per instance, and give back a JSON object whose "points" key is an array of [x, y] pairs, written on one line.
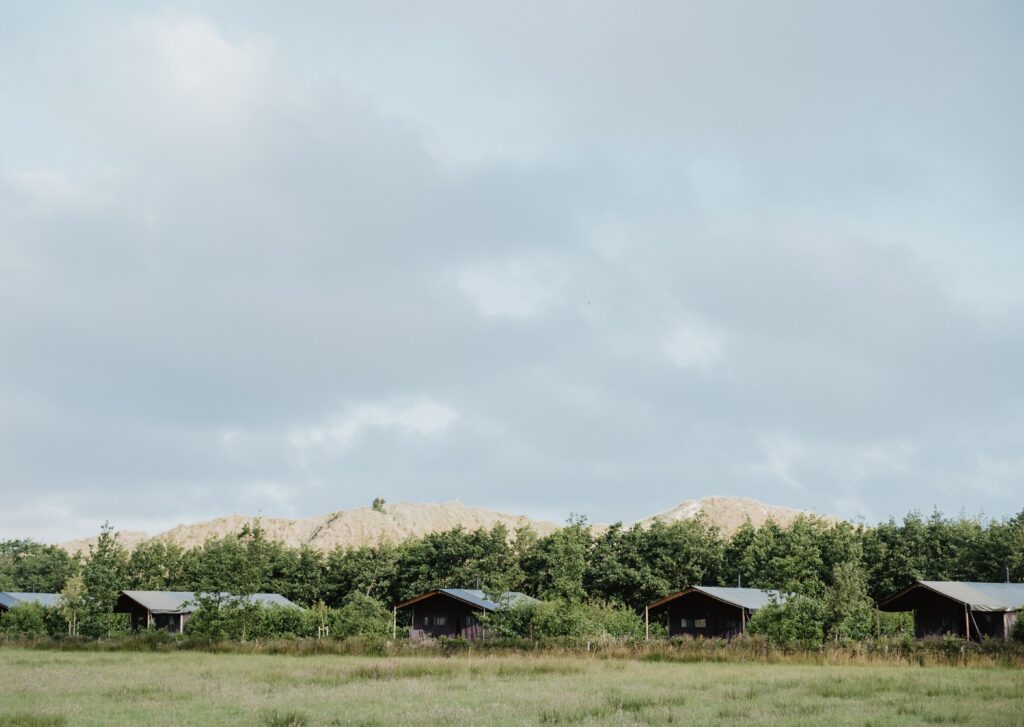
{"points": [[709, 612], [10, 599], [453, 612], [171, 610], [971, 610]]}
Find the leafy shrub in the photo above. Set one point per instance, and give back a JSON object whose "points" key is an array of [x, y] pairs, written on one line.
{"points": [[1017, 630], [360, 615], [25, 619], [797, 621], [561, 619]]}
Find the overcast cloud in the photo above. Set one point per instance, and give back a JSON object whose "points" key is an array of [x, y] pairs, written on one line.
{"points": [[544, 257]]}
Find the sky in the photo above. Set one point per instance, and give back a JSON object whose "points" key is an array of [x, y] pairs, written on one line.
{"points": [[544, 257]]}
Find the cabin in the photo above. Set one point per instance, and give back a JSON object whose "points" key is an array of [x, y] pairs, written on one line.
{"points": [[453, 612], [171, 610], [709, 612], [10, 599], [968, 609]]}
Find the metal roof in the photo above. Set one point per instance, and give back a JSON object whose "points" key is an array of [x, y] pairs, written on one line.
{"points": [[977, 596], [184, 601], [9, 599], [749, 598], [475, 598]]}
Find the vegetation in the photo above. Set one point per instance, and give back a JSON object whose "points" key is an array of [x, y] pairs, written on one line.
{"points": [[594, 583], [96, 688]]}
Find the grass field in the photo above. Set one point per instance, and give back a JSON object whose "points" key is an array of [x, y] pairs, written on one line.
{"points": [[40, 688]]}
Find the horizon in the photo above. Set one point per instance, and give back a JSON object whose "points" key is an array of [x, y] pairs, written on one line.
{"points": [[548, 259]]}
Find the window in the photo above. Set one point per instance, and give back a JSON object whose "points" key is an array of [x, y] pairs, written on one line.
{"points": [[440, 620], [700, 623], [468, 620], [427, 620], [684, 623]]}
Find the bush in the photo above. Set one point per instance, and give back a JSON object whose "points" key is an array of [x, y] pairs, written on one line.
{"points": [[360, 615], [239, 620], [25, 619], [1017, 630], [561, 620], [797, 621]]}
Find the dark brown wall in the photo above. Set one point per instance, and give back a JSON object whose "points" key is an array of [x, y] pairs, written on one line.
{"points": [[456, 614], [721, 619]]}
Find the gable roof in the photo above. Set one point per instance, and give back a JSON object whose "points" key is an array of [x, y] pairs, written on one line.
{"points": [[975, 595], [749, 598], [474, 598], [184, 601], [10, 599]]}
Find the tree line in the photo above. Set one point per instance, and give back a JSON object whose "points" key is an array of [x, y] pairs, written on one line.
{"points": [[830, 566]]}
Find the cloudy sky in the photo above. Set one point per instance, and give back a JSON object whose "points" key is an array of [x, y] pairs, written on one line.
{"points": [[544, 257]]}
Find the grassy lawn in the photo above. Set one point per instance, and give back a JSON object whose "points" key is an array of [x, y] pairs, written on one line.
{"points": [[192, 688]]}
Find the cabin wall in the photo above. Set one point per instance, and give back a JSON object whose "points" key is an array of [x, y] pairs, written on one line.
{"points": [[460, 620], [698, 615]]}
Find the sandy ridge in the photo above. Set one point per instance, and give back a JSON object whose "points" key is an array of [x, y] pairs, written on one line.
{"points": [[403, 520]]}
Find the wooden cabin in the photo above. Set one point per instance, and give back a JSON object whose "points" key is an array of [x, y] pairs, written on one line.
{"points": [[968, 609], [171, 610], [10, 599], [709, 612], [453, 612]]}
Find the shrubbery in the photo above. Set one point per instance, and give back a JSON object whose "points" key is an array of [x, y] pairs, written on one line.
{"points": [[561, 620], [25, 619], [1017, 631], [32, 620], [219, 619]]}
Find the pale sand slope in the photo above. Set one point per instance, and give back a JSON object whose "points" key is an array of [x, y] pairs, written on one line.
{"points": [[729, 513], [403, 520]]}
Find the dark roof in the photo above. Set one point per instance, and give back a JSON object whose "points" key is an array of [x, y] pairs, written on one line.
{"points": [[184, 601], [474, 598], [10, 599], [749, 598], [975, 595]]}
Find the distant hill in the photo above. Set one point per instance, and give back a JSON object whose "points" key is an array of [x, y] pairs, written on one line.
{"points": [[404, 520], [729, 513]]}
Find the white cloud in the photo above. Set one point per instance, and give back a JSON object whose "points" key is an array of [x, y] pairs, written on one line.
{"points": [[419, 418], [781, 454], [510, 290], [53, 189], [693, 344], [190, 75]]}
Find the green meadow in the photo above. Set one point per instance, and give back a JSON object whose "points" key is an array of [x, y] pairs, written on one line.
{"points": [[41, 688]]}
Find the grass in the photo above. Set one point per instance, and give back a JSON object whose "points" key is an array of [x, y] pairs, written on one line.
{"points": [[47, 688]]}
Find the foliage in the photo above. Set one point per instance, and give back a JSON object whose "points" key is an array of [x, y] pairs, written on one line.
{"points": [[378, 504], [797, 621], [360, 615], [557, 565], [33, 567], [104, 574], [1017, 630], [24, 619], [564, 619]]}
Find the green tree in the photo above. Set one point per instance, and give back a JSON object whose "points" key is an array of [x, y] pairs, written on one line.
{"points": [[157, 566], [33, 567], [104, 574], [849, 608], [557, 565], [370, 570]]}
